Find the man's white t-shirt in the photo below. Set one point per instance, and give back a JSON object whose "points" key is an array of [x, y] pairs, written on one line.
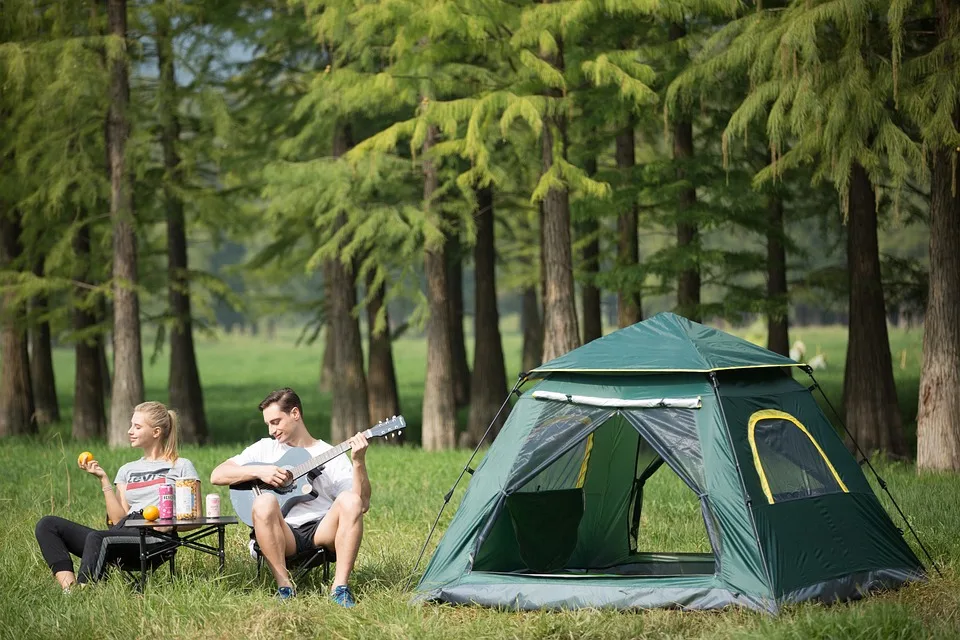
{"points": [[336, 478]]}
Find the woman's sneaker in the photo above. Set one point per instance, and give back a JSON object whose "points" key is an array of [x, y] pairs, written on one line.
{"points": [[285, 593], [343, 596]]}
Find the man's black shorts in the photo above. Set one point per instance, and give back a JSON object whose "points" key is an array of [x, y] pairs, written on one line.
{"points": [[304, 535]]}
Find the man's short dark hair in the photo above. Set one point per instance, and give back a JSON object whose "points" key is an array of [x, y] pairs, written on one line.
{"points": [[286, 398]]}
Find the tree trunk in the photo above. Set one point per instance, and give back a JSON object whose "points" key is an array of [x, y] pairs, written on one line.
{"points": [[778, 339], [383, 399], [458, 347], [560, 331], [328, 363], [89, 412], [629, 307], [590, 293], [102, 317], [532, 330], [16, 394], [350, 412], [938, 415], [589, 232], [489, 374], [439, 406], [127, 357], [688, 235], [186, 394], [870, 397], [41, 360]]}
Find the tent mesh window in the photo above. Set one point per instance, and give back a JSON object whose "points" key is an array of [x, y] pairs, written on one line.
{"points": [[574, 501], [790, 463]]}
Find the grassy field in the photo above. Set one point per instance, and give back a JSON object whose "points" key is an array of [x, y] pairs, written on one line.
{"points": [[39, 476]]}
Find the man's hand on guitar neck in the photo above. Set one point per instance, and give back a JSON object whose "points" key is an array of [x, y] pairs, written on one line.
{"points": [[358, 447], [274, 476]]}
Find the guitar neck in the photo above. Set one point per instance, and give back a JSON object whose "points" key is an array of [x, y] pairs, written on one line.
{"points": [[322, 459]]}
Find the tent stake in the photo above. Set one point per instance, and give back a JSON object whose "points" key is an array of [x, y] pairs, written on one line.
{"points": [[521, 378], [880, 481]]}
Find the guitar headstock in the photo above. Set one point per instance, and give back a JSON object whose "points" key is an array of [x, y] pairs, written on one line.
{"points": [[384, 428]]}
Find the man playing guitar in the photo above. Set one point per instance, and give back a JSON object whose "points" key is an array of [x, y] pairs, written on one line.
{"points": [[334, 519]]}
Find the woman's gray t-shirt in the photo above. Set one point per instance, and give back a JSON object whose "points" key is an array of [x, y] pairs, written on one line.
{"points": [[144, 477]]}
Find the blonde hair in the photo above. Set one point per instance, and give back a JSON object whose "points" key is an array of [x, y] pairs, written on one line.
{"points": [[159, 416]]}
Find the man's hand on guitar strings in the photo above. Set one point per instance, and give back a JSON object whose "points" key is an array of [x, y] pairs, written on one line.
{"points": [[275, 476], [358, 446]]}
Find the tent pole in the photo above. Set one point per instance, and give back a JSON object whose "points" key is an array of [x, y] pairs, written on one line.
{"points": [[880, 481], [746, 497], [521, 378]]}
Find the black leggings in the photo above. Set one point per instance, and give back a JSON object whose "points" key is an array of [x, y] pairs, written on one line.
{"points": [[59, 538]]}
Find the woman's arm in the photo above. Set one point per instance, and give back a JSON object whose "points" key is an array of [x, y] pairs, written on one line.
{"points": [[116, 505], [122, 496]]}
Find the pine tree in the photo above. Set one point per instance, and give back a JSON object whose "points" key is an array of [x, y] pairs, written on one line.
{"points": [[778, 338], [532, 330], [688, 233], [186, 393], [489, 381], [89, 412], [439, 398], [41, 357], [383, 398], [819, 80], [16, 393], [346, 212], [927, 90], [127, 357], [458, 347], [45, 80], [629, 301], [59, 135], [588, 237], [351, 412]]}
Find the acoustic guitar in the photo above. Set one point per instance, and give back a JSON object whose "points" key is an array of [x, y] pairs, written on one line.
{"points": [[303, 468]]}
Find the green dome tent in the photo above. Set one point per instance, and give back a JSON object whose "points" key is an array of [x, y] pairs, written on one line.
{"points": [[552, 514]]}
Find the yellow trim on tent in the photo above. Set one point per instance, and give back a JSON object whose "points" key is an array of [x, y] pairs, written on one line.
{"points": [[583, 465], [766, 414]]}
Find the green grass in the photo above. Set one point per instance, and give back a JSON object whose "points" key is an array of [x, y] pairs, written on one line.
{"points": [[38, 476]]}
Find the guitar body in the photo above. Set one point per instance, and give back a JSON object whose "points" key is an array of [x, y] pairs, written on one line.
{"points": [[303, 468], [299, 490]]}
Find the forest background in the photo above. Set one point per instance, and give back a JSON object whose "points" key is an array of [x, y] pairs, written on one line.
{"points": [[367, 170]]}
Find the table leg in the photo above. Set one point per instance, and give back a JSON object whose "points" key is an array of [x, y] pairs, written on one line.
{"points": [[143, 559], [220, 553], [173, 558]]}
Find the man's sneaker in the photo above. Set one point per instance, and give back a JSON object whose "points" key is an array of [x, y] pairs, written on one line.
{"points": [[343, 596], [285, 593]]}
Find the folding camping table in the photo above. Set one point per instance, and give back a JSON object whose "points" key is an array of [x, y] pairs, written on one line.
{"points": [[194, 530]]}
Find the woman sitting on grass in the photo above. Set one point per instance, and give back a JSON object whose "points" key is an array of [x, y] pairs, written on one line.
{"points": [[154, 430]]}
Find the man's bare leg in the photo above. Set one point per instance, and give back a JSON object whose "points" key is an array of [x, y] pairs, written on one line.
{"points": [[341, 530], [274, 537]]}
